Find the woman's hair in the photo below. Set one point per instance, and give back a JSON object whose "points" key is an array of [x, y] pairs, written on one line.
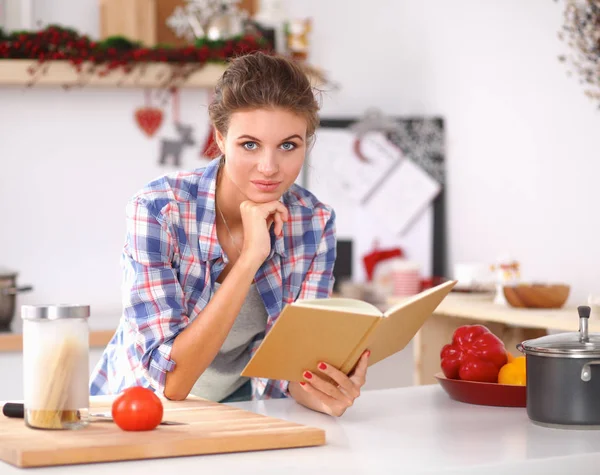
{"points": [[261, 80]]}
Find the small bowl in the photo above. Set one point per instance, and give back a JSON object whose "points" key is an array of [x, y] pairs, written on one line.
{"points": [[537, 295]]}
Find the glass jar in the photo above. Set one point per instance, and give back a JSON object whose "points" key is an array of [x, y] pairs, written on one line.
{"points": [[55, 366]]}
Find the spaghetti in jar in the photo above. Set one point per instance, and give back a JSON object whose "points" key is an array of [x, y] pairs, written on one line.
{"points": [[56, 366]]}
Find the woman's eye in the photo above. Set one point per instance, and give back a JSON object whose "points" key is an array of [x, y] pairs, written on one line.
{"points": [[287, 146], [250, 146]]}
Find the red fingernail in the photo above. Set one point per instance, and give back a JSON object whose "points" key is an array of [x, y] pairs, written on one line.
{"points": [[307, 375], [302, 383], [322, 366]]}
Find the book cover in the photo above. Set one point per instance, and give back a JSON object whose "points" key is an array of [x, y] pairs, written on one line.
{"points": [[337, 331]]}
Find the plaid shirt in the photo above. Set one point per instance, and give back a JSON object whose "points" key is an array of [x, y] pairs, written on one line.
{"points": [[171, 260]]}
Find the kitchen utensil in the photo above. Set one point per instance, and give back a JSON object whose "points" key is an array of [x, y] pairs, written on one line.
{"points": [[536, 295], [485, 394], [107, 417], [16, 410], [211, 428], [378, 255], [563, 377], [8, 293]]}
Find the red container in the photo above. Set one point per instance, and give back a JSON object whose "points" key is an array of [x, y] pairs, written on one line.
{"points": [[484, 394]]}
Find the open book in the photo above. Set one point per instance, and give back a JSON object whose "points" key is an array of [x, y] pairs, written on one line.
{"points": [[337, 331]]}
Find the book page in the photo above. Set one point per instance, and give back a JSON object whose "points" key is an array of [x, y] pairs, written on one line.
{"points": [[343, 305]]}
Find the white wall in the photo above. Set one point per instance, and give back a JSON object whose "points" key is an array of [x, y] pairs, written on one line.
{"points": [[523, 141], [522, 146], [70, 162]]}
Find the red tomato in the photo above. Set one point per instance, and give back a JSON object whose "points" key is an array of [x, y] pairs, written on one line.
{"points": [[137, 409]]}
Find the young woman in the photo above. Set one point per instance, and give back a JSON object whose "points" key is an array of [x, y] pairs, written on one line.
{"points": [[213, 256]]}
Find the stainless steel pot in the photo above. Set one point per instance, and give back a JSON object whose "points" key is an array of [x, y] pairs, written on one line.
{"points": [[563, 377], [8, 294]]}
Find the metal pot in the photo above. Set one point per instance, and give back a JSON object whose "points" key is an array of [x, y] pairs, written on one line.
{"points": [[563, 377], [8, 293]]}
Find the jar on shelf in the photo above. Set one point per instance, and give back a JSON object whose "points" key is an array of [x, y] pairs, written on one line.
{"points": [[56, 366]]}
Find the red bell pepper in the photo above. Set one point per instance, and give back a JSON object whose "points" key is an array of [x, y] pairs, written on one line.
{"points": [[475, 354]]}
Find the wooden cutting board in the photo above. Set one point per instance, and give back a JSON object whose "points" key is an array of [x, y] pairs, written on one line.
{"points": [[211, 428]]}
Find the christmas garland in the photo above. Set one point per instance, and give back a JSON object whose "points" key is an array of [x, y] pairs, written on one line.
{"points": [[581, 31], [101, 57]]}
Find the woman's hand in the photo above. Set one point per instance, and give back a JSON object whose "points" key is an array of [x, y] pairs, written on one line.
{"points": [[256, 220], [331, 398]]}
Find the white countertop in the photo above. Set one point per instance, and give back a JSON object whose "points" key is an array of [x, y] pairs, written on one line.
{"points": [[408, 430]]}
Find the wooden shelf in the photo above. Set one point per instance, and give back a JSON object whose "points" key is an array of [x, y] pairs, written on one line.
{"points": [[15, 72]]}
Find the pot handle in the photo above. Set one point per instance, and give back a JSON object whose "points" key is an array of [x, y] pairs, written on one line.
{"points": [[520, 348], [15, 290], [586, 371]]}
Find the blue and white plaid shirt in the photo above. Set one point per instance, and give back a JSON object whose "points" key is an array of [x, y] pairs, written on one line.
{"points": [[171, 260]]}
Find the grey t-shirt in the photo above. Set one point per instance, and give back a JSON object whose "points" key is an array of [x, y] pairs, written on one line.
{"points": [[222, 377]]}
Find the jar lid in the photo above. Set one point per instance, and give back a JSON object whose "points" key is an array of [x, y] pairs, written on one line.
{"points": [[564, 344], [54, 312]]}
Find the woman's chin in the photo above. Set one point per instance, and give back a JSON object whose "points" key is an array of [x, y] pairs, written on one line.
{"points": [[262, 196]]}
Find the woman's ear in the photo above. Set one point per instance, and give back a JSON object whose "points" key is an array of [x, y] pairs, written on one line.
{"points": [[220, 141]]}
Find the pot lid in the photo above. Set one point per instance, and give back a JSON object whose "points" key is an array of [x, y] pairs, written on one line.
{"points": [[565, 344], [576, 344], [7, 273]]}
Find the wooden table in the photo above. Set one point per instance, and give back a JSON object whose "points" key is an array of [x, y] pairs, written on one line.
{"points": [[511, 325]]}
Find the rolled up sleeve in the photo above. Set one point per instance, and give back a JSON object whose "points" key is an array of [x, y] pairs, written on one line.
{"points": [[153, 299]]}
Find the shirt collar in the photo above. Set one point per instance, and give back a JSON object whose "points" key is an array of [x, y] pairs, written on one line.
{"points": [[210, 249], [277, 243]]}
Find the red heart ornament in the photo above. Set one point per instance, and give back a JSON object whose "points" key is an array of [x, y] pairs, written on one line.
{"points": [[149, 119]]}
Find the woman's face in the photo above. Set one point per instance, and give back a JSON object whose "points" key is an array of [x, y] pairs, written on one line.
{"points": [[264, 151]]}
